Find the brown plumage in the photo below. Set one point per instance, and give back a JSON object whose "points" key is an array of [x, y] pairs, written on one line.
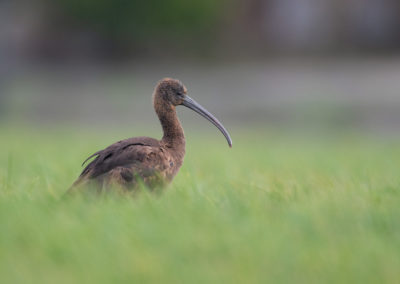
{"points": [[129, 162]]}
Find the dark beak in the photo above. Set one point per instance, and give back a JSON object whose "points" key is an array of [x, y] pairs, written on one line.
{"points": [[193, 105]]}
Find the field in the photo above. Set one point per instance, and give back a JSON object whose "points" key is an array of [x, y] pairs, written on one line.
{"points": [[275, 208]]}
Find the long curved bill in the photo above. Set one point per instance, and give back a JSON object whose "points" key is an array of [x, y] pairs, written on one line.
{"points": [[193, 105]]}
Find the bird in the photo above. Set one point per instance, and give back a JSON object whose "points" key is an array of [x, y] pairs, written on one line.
{"points": [[136, 161]]}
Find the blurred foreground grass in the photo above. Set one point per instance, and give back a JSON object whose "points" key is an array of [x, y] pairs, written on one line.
{"points": [[279, 210]]}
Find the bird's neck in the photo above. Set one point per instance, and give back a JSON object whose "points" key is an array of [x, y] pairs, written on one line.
{"points": [[173, 132]]}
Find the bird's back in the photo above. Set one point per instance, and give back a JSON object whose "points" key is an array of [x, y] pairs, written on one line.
{"points": [[127, 162]]}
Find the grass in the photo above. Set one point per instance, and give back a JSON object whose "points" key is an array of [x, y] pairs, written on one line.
{"points": [[279, 210]]}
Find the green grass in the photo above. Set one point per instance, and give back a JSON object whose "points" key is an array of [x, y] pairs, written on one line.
{"points": [[278, 210]]}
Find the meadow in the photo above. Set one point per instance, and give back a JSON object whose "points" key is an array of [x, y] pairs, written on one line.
{"points": [[276, 208]]}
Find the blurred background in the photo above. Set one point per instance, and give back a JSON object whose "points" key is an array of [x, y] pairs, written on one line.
{"points": [[324, 65]]}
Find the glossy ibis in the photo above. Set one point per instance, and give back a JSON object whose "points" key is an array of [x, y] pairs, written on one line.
{"points": [[129, 162]]}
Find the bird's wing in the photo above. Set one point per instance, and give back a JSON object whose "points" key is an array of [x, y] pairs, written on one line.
{"points": [[141, 151]]}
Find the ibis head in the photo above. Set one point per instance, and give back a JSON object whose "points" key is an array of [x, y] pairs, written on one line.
{"points": [[170, 93]]}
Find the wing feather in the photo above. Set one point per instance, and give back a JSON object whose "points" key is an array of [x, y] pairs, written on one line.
{"points": [[120, 154]]}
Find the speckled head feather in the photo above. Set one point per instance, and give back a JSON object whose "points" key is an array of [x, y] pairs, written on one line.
{"points": [[170, 90]]}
